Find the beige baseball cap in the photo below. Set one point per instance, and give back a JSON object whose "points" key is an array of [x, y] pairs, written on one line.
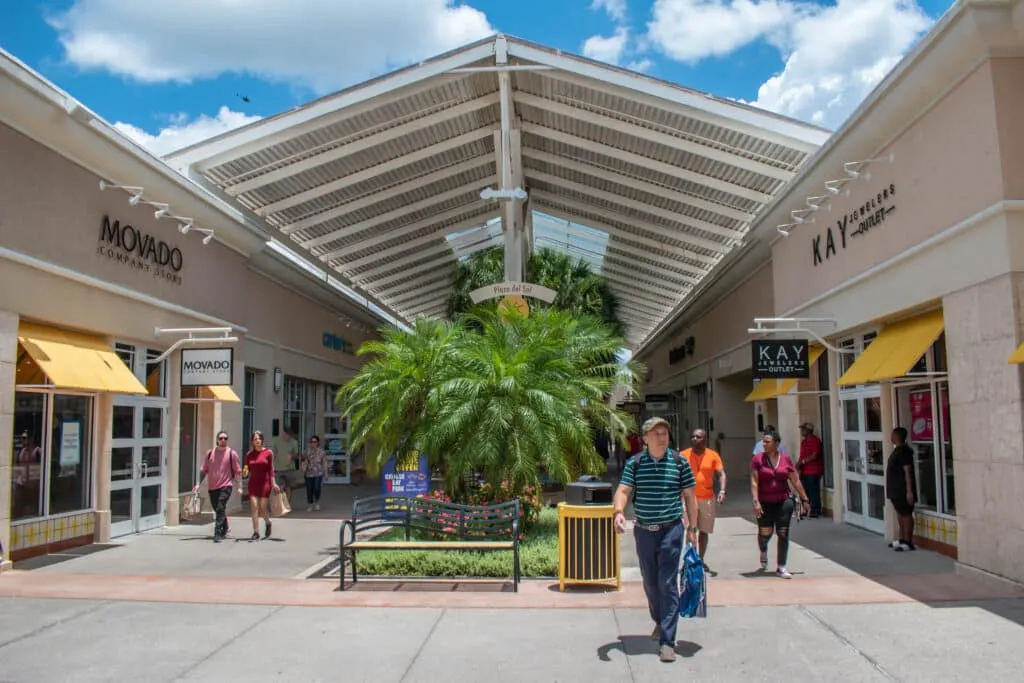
{"points": [[653, 422]]}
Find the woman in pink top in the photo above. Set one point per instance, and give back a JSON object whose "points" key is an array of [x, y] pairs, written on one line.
{"points": [[771, 475]]}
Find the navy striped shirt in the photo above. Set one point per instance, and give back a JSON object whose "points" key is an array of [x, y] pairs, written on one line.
{"points": [[657, 486]]}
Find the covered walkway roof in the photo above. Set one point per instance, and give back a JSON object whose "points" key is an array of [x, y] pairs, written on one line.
{"points": [[650, 183]]}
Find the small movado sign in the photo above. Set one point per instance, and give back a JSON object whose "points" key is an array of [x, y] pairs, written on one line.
{"points": [[780, 359], [207, 367]]}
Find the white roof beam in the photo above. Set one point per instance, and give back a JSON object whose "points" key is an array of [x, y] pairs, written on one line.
{"points": [[459, 212], [654, 271], [645, 162], [429, 283], [390, 264], [414, 299], [361, 144], [623, 287], [476, 221], [621, 246], [326, 111], [649, 91], [427, 277], [635, 205], [671, 141], [577, 213], [433, 262], [613, 176], [436, 304], [377, 170], [401, 211], [631, 302], [646, 279], [390, 193], [638, 314]]}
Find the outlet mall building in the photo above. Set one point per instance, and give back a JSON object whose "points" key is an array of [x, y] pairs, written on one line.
{"points": [[900, 245], [106, 410]]}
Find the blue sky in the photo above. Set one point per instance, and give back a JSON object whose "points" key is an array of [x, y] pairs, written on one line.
{"points": [[170, 72]]}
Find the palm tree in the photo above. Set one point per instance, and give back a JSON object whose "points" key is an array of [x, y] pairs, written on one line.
{"points": [[578, 288], [387, 401], [508, 396]]}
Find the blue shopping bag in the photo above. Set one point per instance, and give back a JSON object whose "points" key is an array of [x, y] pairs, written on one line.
{"points": [[693, 594]]}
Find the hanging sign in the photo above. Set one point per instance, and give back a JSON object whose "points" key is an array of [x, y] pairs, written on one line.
{"points": [[207, 367], [505, 289], [780, 359]]}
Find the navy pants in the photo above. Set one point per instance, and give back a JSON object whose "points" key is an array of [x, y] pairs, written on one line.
{"points": [[812, 485], [313, 487], [660, 552]]}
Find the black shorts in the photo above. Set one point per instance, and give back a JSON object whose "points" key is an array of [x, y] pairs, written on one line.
{"points": [[903, 508]]}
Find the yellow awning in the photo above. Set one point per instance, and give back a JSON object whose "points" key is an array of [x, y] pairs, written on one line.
{"points": [[221, 393], [72, 360], [1018, 355], [895, 350], [773, 388]]}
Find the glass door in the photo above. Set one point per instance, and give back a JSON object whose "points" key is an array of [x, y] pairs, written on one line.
{"points": [[137, 463], [863, 459]]}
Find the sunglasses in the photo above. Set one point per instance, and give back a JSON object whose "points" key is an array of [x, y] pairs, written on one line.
{"points": [[222, 438]]}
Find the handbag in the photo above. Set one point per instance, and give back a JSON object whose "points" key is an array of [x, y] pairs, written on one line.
{"points": [[693, 594], [193, 507], [279, 504]]}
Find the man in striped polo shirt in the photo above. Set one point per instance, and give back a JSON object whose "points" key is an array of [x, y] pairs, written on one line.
{"points": [[663, 484]]}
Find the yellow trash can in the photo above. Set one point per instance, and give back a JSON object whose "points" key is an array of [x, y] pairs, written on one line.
{"points": [[588, 547]]}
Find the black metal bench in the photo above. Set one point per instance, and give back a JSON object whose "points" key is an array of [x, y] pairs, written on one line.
{"points": [[449, 526]]}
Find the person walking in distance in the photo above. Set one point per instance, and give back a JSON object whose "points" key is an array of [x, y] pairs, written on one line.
{"points": [[314, 465], [225, 472], [662, 486], [811, 466], [901, 487], [259, 461], [706, 464], [771, 475]]}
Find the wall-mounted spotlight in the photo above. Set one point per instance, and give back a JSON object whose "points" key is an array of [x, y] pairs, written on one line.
{"points": [[183, 228], [833, 187], [127, 188], [163, 210], [814, 203], [135, 198], [799, 214], [208, 238], [782, 228], [854, 168]]}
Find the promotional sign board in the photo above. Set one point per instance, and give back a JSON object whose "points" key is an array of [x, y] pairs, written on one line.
{"points": [[406, 476], [207, 367], [780, 359]]}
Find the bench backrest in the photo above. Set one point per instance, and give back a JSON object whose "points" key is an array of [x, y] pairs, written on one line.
{"points": [[421, 516]]}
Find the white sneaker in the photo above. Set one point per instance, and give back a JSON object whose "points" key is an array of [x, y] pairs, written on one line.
{"points": [[317, 507], [783, 573], [309, 509], [901, 547]]}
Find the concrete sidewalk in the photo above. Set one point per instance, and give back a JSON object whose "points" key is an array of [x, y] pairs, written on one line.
{"points": [[117, 641]]}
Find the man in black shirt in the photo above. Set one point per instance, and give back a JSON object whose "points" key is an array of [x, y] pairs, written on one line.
{"points": [[901, 488]]}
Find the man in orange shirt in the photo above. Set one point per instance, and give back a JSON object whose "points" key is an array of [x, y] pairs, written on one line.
{"points": [[706, 464]]}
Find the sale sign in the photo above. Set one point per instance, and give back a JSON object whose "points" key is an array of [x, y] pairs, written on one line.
{"points": [[921, 416]]}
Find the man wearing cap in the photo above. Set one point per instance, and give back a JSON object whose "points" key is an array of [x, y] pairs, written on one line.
{"points": [[811, 466], [662, 485]]}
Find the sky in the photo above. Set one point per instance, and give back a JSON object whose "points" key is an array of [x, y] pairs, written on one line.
{"points": [[169, 73]]}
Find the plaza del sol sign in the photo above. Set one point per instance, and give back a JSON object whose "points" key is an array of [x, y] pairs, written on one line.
{"points": [[859, 220], [139, 251], [507, 289]]}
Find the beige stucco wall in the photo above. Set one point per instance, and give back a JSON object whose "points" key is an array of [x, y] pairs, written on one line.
{"points": [[946, 167]]}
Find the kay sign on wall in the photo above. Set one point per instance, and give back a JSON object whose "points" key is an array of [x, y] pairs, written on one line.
{"points": [[207, 367]]}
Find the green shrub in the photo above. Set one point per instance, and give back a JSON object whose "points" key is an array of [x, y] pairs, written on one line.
{"points": [[538, 556]]}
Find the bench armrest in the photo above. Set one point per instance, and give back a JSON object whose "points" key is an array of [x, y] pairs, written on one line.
{"points": [[350, 525]]}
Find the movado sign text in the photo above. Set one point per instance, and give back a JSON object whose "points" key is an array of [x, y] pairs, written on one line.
{"points": [[141, 252], [207, 367]]}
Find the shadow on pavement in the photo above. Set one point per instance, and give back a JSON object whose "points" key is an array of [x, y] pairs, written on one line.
{"points": [[633, 646]]}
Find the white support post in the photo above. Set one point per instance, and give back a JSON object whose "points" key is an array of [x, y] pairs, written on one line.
{"points": [[509, 162]]}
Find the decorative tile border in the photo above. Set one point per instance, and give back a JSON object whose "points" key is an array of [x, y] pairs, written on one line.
{"points": [[935, 528], [49, 530]]}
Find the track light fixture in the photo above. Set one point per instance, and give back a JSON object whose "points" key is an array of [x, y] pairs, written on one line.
{"points": [[854, 168], [814, 203], [163, 209], [833, 187], [183, 228], [208, 238], [782, 228], [135, 199]]}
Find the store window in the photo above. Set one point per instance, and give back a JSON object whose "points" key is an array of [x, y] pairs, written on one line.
{"points": [[52, 456], [188, 430], [825, 421], [249, 406], [299, 408], [703, 400], [922, 406]]}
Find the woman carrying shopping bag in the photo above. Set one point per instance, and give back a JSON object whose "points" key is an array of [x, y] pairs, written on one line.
{"points": [[259, 461]]}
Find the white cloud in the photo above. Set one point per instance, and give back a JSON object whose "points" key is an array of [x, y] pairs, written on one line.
{"points": [[182, 132], [609, 49], [834, 55], [616, 9], [322, 44]]}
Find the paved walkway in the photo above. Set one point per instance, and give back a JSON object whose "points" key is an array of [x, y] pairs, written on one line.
{"points": [[172, 606]]}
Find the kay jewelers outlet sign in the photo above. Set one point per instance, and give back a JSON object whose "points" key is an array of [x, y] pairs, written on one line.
{"points": [[780, 359], [207, 367]]}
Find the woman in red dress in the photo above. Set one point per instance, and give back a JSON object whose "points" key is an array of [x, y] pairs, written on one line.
{"points": [[259, 462]]}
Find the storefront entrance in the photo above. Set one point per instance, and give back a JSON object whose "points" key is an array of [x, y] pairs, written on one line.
{"points": [[138, 448], [863, 458]]}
